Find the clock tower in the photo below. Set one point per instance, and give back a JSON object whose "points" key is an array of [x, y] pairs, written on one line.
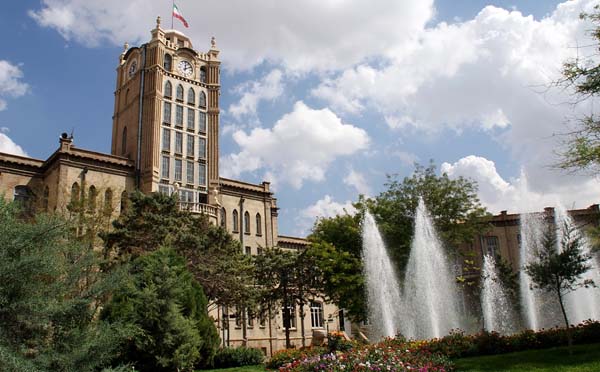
{"points": [[166, 116]]}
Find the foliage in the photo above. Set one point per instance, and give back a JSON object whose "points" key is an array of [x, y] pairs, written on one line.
{"points": [[50, 291], [559, 272], [582, 146], [212, 255], [168, 310], [459, 345], [336, 342], [237, 357], [452, 203], [283, 357], [336, 245]]}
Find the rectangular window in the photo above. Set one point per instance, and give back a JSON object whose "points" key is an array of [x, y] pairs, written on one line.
{"points": [[248, 251], [177, 169], [491, 245], [191, 118], [166, 140], [179, 116], [167, 112], [250, 318], [178, 142], [190, 145], [259, 251], [202, 122], [202, 148], [190, 172], [165, 167], [316, 314], [164, 189], [262, 319], [202, 174], [291, 311]]}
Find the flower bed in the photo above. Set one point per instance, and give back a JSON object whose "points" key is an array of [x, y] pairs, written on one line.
{"points": [[384, 356]]}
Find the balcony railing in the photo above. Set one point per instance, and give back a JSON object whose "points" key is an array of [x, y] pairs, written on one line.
{"points": [[200, 208]]}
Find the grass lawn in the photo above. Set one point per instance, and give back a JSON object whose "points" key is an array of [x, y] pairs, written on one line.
{"points": [[259, 368], [585, 358]]}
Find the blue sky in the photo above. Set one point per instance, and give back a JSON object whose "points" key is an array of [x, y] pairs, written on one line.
{"points": [[325, 98]]}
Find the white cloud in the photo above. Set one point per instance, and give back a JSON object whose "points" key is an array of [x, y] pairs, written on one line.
{"points": [[489, 74], [358, 182], [311, 34], [299, 147], [323, 208], [8, 146], [11, 82], [268, 88], [519, 195]]}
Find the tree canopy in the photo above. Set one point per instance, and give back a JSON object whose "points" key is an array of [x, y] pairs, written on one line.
{"points": [[212, 255], [582, 145]]}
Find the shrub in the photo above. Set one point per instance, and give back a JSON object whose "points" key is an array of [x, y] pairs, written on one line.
{"points": [[336, 342], [237, 357]]}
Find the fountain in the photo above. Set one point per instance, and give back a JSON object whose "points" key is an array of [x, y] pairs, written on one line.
{"points": [[584, 303], [498, 313], [382, 286], [430, 294], [530, 229]]}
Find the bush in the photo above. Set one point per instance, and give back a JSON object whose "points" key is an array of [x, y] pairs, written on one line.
{"points": [[336, 342], [237, 357]]}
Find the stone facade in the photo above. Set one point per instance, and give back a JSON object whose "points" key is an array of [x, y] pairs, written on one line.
{"points": [[165, 137]]}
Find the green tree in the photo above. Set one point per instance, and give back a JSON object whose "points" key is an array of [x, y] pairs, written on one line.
{"points": [[212, 255], [51, 290], [167, 309], [560, 272], [453, 204], [286, 278], [582, 145]]}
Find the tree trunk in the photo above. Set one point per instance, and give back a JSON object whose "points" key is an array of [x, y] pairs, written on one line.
{"points": [[569, 335], [302, 324]]}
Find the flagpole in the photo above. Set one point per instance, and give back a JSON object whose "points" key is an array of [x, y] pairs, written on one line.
{"points": [[172, 7]]}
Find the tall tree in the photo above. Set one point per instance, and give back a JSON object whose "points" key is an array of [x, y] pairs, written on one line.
{"points": [[167, 309], [453, 204], [582, 145], [51, 290], [559, 271], [286, 278]]}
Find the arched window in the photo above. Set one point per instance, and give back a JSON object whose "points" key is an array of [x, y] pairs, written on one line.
{"points": [[247, 223], [203, 74], [124, 201], [124, 141], [235, 220], [75, 194], [168, 62], [179, 95], [191, 97], [168, 89], [92, 196], [202, 100], [46, 198], [258, 224], [22, 194], [108, 196], [223, 218]]}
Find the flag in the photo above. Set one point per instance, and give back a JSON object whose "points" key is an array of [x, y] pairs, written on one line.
{"points": [[178, 15]]}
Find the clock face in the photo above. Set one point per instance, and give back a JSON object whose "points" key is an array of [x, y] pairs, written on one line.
{"points": [[185, 68], [132, 68]]}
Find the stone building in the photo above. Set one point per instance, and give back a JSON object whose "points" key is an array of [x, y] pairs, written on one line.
{"points": [[504, 236], [165, 138]]}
